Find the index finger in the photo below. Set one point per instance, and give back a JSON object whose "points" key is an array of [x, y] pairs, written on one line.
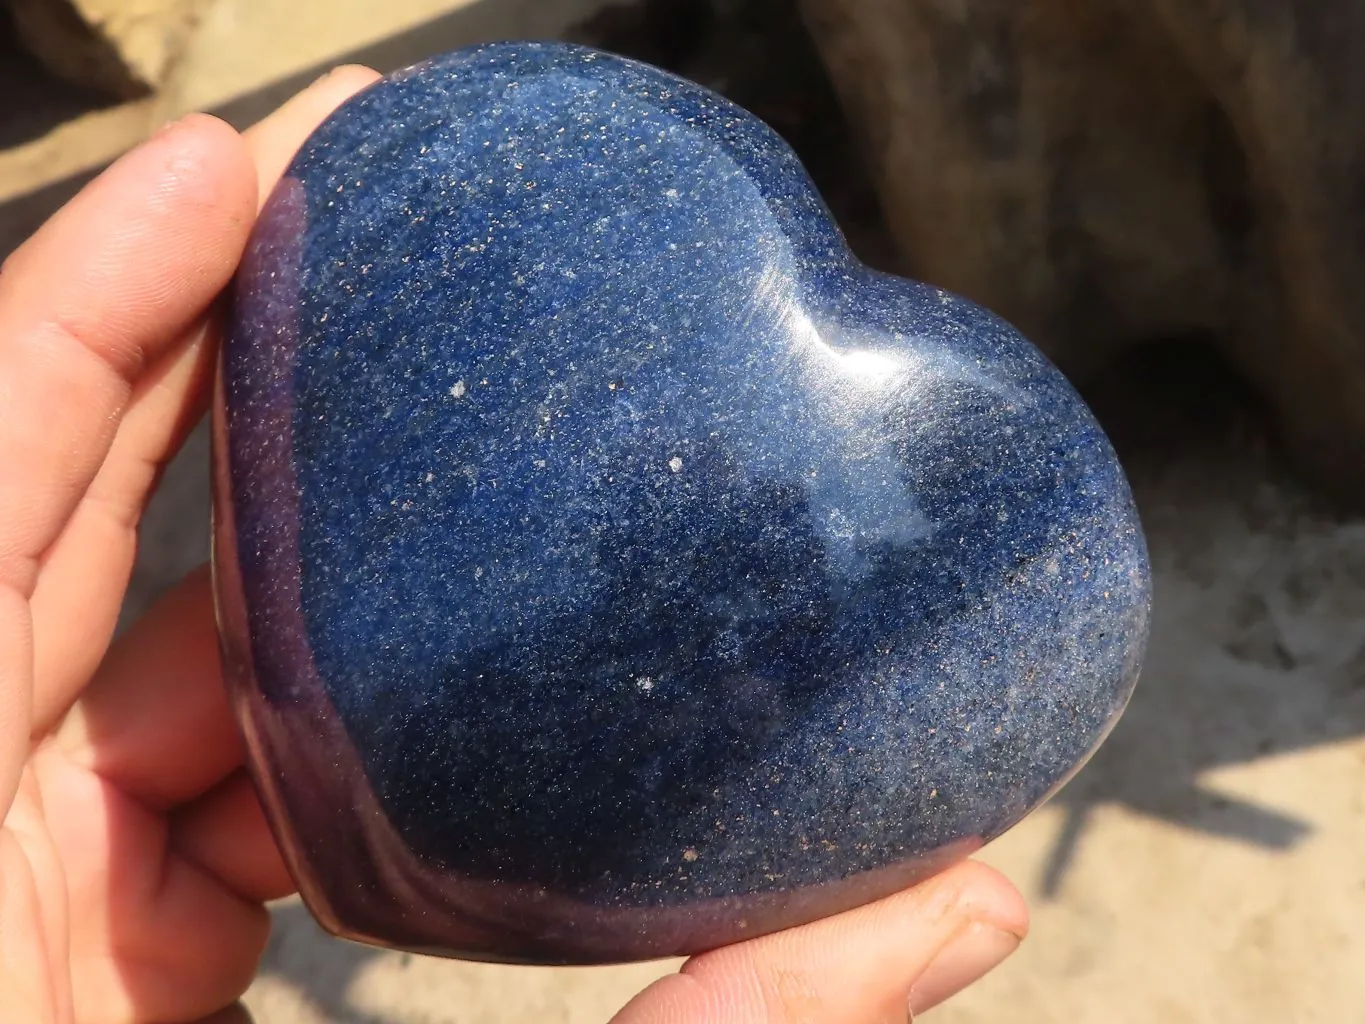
{"points": [[103, 290], [84, 572], [886, 961], [162, 675]]}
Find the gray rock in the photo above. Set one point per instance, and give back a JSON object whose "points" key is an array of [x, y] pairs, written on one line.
{"points": [[123, 47]]}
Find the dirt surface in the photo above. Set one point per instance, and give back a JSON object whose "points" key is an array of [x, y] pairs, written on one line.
{"points": [[1208, 866]]}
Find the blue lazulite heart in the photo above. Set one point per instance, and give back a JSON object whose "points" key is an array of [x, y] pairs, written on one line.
{"points": [[609, 565]]}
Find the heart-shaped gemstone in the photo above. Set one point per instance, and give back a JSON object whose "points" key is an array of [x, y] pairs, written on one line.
{"points": [[609, 565]]}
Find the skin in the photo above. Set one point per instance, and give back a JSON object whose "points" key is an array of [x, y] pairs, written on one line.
{"points": [[135, 862]]}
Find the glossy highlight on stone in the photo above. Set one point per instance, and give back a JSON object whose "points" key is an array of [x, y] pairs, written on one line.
{"points": [[609, 566]]}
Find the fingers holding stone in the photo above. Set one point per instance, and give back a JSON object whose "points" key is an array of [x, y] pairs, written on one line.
{"points": [[99, 295], [112, 286], [155, 720], [876, 964], [225, 833]]}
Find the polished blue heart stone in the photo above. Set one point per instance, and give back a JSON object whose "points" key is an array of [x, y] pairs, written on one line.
{"points": [[609, 565]]}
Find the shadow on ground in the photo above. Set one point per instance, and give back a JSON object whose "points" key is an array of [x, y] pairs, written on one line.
{"points": [[35, 102], [1245, 561], [322, 971]]}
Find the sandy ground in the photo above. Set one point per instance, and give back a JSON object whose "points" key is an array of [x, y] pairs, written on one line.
{"points": [[1208, 866]]}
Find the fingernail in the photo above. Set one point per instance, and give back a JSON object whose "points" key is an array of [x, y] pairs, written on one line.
{"points": [[169, 126], [966, 959], [327, 74]]}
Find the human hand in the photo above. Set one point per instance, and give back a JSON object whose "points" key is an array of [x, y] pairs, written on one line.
{"points": [[134, 859]]}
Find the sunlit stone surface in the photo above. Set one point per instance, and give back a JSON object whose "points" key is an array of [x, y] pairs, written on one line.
{"points": [[609, 565]]}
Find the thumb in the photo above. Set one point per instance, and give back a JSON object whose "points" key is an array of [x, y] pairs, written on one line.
{"points": [[881, 963]]}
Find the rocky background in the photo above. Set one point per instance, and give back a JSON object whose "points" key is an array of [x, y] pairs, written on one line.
{"points": [[1165, 196]]}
